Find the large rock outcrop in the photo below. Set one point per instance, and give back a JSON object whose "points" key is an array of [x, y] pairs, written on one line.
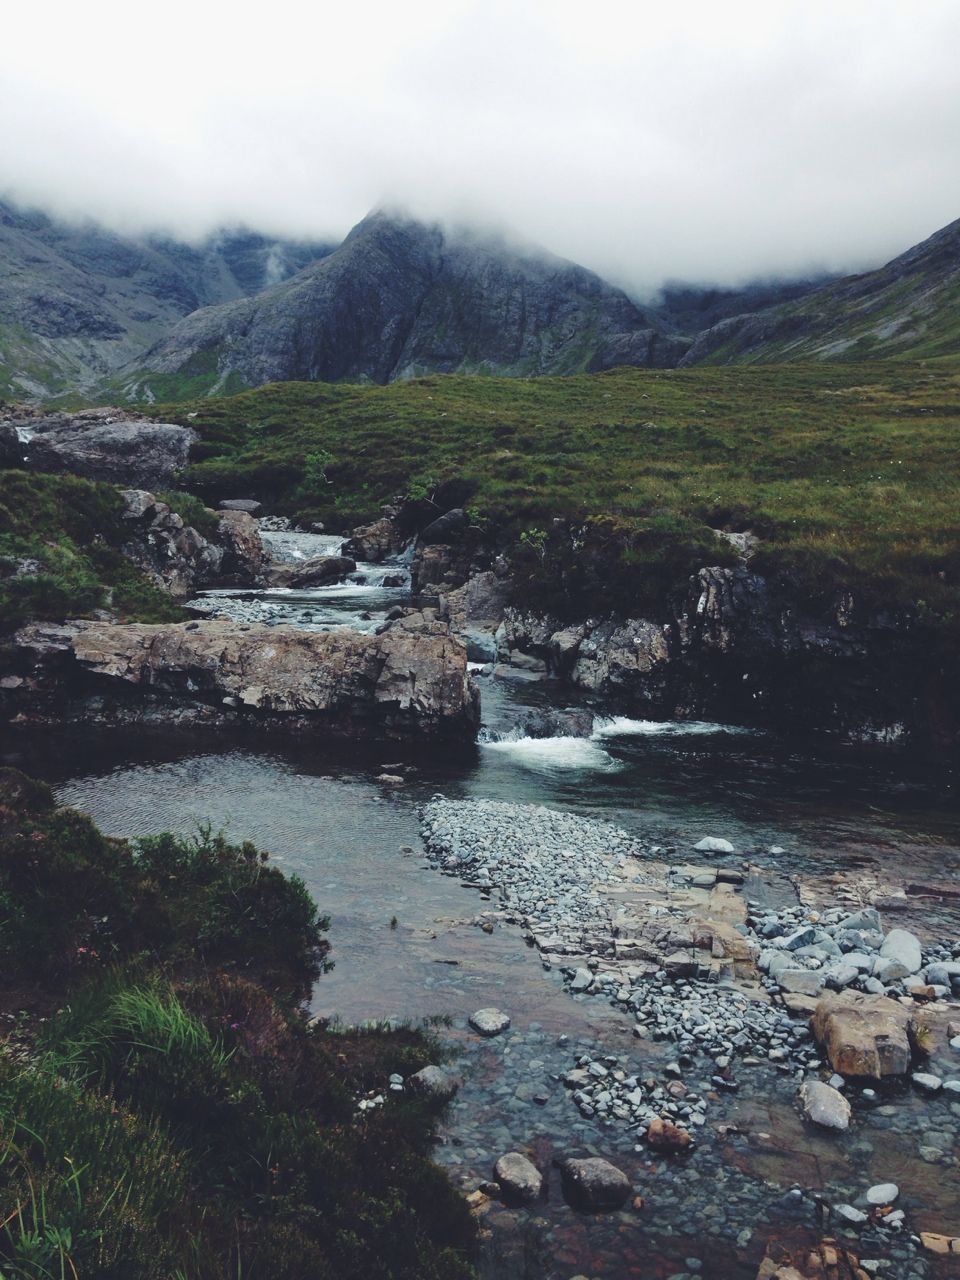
{"points": [[409, 682], [110, 446], [737, 648], [177, 558]]}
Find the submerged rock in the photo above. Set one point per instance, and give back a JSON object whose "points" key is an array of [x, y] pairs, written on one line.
{"points": [[594, 1184], [519, 1178], [664, 1135], [824, 1105], [489, 1022]]}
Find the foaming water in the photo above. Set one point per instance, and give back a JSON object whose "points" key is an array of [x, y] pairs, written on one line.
{"points": [[624, 727], [550, 754], [290, 545]]}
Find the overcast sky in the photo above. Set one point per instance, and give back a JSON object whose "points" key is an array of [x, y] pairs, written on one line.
{"points": [[707, 141]]}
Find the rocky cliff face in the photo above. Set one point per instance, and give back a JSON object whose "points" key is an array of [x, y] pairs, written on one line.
{"points": [[400, 298], [736, 649], [408, 683], [78, 300]]}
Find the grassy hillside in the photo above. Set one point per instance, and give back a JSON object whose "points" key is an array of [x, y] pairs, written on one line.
{"points": [[908, 309], [60, 557], [848, 473]]}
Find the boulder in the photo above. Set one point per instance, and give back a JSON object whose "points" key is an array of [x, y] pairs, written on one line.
{"points": [[479, 603], [239, 537], [901, 950], [594, 1184], [249, 505], [409, 682], [433, 1083], [374, 542], [664, 1135], [446, 529], [520, 1179], [489, 1022], [144, 455], [318, 571], [713, 844], [549, 722], [824, 1105], [863, 1035]]}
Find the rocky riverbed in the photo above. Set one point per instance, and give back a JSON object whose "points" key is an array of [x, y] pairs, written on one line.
{"points": [[712, 982]]}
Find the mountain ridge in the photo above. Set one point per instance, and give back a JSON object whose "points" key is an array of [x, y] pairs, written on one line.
{"points": [[78, 301], [909, 308], [401, 297]]}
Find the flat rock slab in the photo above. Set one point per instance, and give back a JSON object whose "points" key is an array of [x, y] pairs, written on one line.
{"points": [[412, 679]]}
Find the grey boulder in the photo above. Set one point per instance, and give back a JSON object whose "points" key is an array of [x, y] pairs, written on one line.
{"points": [[824, 1105], [519, 1178], [489, 1022], [594, 1184]]}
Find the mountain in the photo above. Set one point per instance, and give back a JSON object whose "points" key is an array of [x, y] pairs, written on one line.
{"points": [[400, 298], [909, 308], [692, 308], [79, 301]]}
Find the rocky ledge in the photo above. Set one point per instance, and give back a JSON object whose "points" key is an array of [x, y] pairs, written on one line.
{"points": [[109, 444], [409, 682]]}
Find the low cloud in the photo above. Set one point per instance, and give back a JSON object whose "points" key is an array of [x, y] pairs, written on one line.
{"points": [[714, 143]]}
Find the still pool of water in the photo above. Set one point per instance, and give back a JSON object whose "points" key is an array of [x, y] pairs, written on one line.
{"points": [[406, 943]]}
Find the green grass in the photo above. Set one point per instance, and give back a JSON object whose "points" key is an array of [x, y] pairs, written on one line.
{"points": [[177, 1115], [848, 473], [73, 531]]}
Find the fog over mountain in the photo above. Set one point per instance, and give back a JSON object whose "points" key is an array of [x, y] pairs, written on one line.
{"points": [[712, 143]]}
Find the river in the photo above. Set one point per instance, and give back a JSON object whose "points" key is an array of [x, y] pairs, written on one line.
{"points": [[406, 942]]}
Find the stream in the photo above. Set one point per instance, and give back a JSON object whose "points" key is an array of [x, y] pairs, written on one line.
{"points": [[406, 941]]}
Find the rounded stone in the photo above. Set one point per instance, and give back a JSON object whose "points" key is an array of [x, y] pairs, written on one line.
{"points": [[594, 1184], [713, 844], [824, 1105], [883, 1193], [519, 1178]]}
